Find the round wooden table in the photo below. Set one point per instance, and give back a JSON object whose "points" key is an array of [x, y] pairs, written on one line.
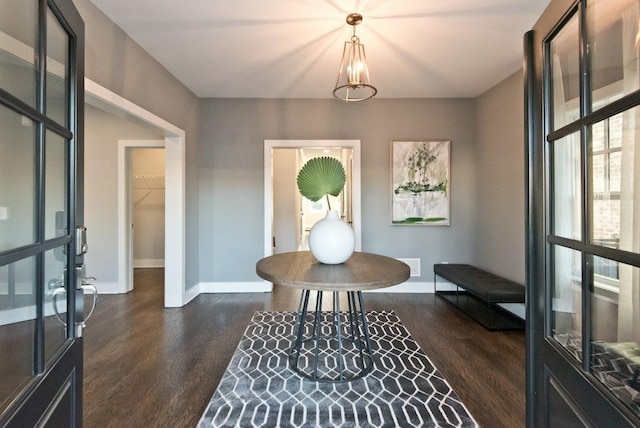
{"points": [[332, 346]]}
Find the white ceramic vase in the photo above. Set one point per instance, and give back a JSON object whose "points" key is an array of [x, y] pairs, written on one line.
{"points": [[331, 240]]}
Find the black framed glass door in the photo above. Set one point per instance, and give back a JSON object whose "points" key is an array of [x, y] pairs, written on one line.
{"points": [[41, 240], [583, 250]]}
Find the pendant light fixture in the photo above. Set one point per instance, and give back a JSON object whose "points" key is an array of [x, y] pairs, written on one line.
{"points": [[353, 83]]}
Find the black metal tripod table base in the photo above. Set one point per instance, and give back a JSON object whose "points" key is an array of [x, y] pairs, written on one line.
{"points": [[331, 346]]}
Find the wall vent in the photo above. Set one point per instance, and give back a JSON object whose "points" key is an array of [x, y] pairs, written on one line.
{"points": [[414, 266]]}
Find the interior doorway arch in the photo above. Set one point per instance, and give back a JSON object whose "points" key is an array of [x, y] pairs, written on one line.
{"points": [[270, 145], [174, 144]]}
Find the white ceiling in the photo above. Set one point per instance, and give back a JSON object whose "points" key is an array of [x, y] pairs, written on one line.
{"points": [[293, 48]]}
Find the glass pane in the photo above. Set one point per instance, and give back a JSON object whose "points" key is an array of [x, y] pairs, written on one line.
{"points": [[597, 137], [614, 55], [606, 271], [55, 301], [598, 174], [57, 70], [615, 169], [616, 130], [565, 74], [17, 180], [567, 200], [567, 300], [615, 183], [18, 74], [615, 348], [606, 222], [17, 326], [55, 185]]}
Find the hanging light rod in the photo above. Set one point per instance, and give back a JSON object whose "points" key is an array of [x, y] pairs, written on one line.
{"points": [[354, 83]]}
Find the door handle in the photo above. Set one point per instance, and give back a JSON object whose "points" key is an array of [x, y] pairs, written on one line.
{"points": [[84, 286], [54, 301], [87, 286]]}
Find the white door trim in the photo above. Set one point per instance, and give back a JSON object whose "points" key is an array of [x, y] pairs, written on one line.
{"points": [[175, 229], [125, 239], [269, 145]]}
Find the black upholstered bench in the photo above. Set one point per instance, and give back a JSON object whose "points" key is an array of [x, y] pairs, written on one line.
{"points": [[481, 293]]}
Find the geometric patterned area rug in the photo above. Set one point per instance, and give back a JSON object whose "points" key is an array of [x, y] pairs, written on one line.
{"points": [[404, 389]]}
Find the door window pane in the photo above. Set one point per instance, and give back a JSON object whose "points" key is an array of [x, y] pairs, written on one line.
{"points": [[55, 300], [606, 271], [564, 50], [57, 70], [17, 326], [615, 359], [612, 37], [614, 177], [567, 200], [567, 299], [17, 180], [55, 184], [17, 48]]}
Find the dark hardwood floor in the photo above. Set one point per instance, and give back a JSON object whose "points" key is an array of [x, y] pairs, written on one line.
{"points": [[154, 367]]}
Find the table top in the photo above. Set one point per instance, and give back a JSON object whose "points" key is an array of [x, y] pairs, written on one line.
{"points": [[363, 271]]}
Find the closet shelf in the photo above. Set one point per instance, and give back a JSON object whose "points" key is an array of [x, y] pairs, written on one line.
{"points": [[142, 177], [148, 183]]}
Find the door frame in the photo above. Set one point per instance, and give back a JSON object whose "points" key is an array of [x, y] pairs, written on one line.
{"points": [[125, 207], [175, 212], [269, 145]]}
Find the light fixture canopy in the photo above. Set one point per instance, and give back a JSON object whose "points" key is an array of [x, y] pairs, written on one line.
{"points": [[354, 83]]}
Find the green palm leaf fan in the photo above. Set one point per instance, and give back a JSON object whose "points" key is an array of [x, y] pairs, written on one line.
{"points": [[321, 177]]}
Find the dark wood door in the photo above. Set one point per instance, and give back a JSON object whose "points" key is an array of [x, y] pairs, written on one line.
{"points": [[41, 238], [583, 246]]}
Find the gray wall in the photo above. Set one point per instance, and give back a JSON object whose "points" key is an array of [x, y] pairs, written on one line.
{"points": [[224, 162], [102, 132], [17, 165], [116, 62], [231, 175], [500, 179]]}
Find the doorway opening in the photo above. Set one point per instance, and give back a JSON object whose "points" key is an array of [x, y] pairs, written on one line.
{"points": [[147, 204], [288, 216], [142, 186], [144, 167], [295, 215]]}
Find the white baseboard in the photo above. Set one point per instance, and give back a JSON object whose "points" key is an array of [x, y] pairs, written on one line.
{"points": [[406, 287], [109, 288], [265, 287], [446, 286], [235, 287], [415, 287], [27, 313], [518, 309], [148, 263], [11, 316], [21, 289], [191, 294]]}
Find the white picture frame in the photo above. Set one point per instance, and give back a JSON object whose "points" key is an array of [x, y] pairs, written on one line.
{"points": [[420, 183]]}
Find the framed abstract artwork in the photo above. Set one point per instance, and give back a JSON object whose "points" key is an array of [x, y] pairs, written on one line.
{"points": [[420, 178]]}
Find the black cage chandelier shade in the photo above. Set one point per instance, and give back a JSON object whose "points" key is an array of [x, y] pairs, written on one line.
{"points": [[354, 83]]}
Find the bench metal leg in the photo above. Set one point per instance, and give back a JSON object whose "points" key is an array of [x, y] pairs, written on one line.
{"points": [[486, 312]]}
